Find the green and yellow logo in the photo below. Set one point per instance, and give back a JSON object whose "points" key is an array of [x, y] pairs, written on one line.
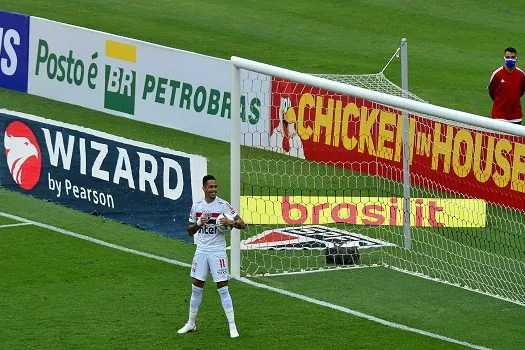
{"points": [[120, 81]]}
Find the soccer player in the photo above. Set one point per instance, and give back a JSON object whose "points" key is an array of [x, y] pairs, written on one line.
{"points": [[506, 86], [210, 255]]}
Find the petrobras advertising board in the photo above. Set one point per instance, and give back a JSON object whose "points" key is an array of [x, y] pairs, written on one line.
{"points": [[132, 182], [147, 82], [14, 48]]}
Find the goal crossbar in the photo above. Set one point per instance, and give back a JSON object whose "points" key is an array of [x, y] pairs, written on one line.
{"points": [[375, 96]]}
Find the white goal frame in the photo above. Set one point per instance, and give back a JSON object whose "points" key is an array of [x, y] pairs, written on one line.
{"points": [[239, 63]]}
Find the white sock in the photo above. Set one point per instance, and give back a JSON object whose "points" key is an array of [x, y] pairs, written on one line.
{"points": [[227, 304], [195, 302]]}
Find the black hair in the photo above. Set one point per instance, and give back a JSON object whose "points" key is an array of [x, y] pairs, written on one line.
{"points": [[511, 50], [206, 178]]}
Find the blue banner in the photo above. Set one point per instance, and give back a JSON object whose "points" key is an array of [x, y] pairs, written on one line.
{"points": [[131, 182], [14, 50]]}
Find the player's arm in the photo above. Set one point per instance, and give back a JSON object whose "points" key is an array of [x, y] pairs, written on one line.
{"points": [[195, 223], [238, 223], [193, 228], [493, 86], [522, 87]]}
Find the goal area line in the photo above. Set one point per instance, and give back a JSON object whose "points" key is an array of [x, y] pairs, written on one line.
{"points": [[304, 272], [14, 225], [249, 282]]}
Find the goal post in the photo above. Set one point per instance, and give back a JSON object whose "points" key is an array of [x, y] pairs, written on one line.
{"points": [[235, 170], [405, 137], [340, 176]]}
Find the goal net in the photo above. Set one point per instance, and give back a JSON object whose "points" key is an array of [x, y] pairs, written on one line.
{"points": [[378, 81], [328, 181]]}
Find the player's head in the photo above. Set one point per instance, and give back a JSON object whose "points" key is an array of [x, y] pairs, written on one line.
{"points": [[511, 50], [511, 55], [209, 186]]}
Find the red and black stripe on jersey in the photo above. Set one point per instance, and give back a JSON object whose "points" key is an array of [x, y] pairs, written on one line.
{"points": [[212, 218]]}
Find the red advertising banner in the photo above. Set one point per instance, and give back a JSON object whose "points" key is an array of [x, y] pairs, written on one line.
{"points": [[364, 136]]}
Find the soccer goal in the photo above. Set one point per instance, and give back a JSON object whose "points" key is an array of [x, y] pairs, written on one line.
{"points": [[378, 81], [339, 176]]}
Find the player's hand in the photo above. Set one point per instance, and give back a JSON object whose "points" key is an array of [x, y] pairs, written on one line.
{"points": [[226, 222], [203, 220]]}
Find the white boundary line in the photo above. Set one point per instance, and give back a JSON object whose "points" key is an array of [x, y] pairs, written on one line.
{"points": [[94, 240], [252, 283], [13, 225]]}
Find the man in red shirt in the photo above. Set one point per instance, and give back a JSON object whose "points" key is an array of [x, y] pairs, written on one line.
{"points": [[506, 86]]}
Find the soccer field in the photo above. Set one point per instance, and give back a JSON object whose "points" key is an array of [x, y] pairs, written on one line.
{"points": [[58, 291], [63, 291]]}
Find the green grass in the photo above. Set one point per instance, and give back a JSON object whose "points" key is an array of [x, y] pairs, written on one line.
{"points": [[102, 298], [71, 294], [62, 292], [6, 221], [404, 298]]}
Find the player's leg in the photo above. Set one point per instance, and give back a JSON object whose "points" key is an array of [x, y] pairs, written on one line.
{"points": [[219, 270], [199, 272], [227, 305]]}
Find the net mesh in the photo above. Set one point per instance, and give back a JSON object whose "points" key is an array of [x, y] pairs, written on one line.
{"points": [[377, 82], [322, 188]]}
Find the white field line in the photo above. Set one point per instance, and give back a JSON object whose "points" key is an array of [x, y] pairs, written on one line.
{"points": [[14, 225], [94, 240], [252, 283], [322, 270]]}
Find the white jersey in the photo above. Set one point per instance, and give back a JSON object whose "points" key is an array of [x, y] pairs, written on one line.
{"points": [[209, 238]]}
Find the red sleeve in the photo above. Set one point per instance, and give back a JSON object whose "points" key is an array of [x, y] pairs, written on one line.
{"points": [[522, 84], [493, 85]]}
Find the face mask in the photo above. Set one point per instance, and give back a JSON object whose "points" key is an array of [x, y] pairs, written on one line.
{"points": [[510, 62]]}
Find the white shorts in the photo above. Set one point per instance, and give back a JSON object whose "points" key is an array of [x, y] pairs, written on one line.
{"points": [[206, 262]]}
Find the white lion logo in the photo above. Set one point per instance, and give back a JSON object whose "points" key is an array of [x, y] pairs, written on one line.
{"points": [[19, 150]]}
